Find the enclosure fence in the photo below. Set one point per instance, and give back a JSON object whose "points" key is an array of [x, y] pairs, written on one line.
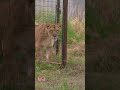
{"points": [[46, 10]]}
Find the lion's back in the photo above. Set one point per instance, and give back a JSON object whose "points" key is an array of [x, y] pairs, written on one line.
{"points": [[40, 34]]}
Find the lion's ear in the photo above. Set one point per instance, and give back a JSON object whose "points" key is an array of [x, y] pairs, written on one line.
{"points": [[48, 26]]}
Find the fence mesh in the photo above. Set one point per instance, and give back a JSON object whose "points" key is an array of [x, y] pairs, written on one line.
{"points": [[45, 11]]}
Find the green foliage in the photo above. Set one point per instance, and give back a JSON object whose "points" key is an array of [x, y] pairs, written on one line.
{"points": [[72, 35], [44, 66], [64, 86], [46, 17]]}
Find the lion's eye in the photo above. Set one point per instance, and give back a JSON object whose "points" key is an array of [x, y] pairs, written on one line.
{"points": [[48, 27]]}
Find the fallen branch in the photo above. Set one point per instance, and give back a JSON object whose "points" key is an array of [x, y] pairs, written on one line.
{"points": [[52, 63]]}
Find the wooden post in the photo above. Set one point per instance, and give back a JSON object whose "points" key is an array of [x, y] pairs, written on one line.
{"points": [[64, 33]]}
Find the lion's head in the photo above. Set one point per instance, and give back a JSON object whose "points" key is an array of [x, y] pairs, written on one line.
{"points": [[53, 30]]}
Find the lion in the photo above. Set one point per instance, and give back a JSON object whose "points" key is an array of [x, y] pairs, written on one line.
{"points": [[45, 37]]}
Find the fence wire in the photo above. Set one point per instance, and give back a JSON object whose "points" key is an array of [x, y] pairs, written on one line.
{"points": [[45, 11]]}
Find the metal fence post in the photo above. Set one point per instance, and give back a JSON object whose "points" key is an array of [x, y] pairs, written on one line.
{"points": [[57, 21], [64, 33]]}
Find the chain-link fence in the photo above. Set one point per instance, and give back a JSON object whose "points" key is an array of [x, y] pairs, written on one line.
{"points": [[47, 11]]}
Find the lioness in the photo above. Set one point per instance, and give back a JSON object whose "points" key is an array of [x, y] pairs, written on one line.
{"points": [[45, 36]]}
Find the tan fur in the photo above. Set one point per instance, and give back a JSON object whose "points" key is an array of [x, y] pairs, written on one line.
{"points": [[45, 35]]}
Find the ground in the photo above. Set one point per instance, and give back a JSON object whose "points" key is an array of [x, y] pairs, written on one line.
{"points": [[70, 78]]}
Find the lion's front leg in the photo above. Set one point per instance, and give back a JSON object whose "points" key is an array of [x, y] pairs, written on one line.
{"points": [[49, 54]]}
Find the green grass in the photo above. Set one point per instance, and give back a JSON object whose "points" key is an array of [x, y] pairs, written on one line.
{"points": [[72, 36], [70, 78], [46, 17]]}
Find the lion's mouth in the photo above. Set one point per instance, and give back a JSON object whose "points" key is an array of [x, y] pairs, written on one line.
{"points": [[55, 38]]}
